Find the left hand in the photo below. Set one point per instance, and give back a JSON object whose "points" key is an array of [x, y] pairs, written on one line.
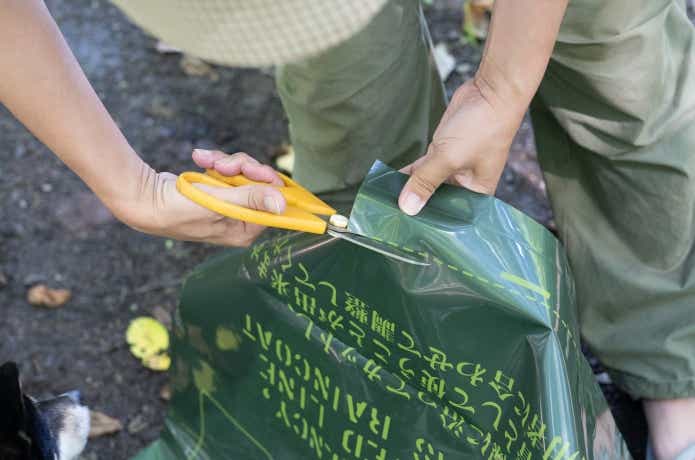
{"points": [[469, 147]]}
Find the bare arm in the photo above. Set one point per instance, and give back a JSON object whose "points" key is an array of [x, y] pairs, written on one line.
{"points": [[471, 143], [42, 84]]}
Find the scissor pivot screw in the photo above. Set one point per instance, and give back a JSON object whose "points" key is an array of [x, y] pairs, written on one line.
{"points": [[338, 220]]}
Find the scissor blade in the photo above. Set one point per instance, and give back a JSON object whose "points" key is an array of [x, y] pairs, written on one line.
{"points": [[375, 246]]}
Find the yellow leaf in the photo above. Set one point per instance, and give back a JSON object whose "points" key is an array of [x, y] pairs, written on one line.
{"points": [[101, 424], [159, 362], [147, 337]]}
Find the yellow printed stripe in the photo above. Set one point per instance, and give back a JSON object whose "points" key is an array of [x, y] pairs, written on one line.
{"points": [[526, 284]]}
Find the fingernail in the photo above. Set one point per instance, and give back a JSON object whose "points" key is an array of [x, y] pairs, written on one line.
{"points": [[271, 204], [202, 152], [412, 204]]}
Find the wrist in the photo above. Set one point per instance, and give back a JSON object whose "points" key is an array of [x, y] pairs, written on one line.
{"points": [[506, 96], [133, 202]]}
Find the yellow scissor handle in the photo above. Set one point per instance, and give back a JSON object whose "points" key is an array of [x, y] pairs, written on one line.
{"points": [[298, 215]]}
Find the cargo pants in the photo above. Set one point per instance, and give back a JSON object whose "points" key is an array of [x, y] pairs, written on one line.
{"points": [[614, 121]]}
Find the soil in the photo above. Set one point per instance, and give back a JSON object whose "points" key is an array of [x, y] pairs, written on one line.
{"points": [[53, 231]]}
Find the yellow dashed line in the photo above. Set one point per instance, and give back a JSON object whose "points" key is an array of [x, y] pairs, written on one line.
{"points": [[525, 284], [506, 276]]}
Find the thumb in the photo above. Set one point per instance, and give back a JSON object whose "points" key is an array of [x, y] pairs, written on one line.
{"points": [[426, 175], [259, 197]]}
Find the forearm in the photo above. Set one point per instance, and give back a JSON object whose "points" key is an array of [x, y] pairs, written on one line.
{"points": [[42, 84], [517, 50]]}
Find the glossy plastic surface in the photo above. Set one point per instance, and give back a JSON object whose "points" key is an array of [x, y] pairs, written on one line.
{"points": [[308, 347]]}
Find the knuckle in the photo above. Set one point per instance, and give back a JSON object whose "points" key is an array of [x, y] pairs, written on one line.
{"points": [[422, 184], [255, 198]]}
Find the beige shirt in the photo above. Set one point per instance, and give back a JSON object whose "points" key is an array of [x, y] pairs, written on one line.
{"points": [[251, 32]]}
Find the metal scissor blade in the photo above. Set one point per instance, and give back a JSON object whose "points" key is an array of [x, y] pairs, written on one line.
{"points": [[375, 246]]}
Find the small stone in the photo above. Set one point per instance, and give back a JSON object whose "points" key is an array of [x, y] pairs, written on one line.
{"points": [[3, 280], [196, 67], [604, 379], [165, 392], [46, 188], [137, 424], [160, 108]]}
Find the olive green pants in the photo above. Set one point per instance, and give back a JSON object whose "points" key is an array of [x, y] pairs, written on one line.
{"points": [[615, 128], [377, 95], [614, 121]]}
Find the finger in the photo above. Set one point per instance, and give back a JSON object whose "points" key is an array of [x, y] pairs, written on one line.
{"points": [[237, 163], [207, 158], [261, 173], [424, 180], [259, 197]]}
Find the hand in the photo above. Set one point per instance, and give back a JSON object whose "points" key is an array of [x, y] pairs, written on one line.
{"points": [[163, 211], [469, 147]]}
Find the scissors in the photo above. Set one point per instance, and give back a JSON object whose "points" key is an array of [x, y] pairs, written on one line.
{"points": [[301, 213]]}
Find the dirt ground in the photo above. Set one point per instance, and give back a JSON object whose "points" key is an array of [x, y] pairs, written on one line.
{"points": [[53, 231]]}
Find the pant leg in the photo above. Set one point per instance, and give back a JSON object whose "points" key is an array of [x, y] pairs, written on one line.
{"points": [[376, 96], [614, 121]]}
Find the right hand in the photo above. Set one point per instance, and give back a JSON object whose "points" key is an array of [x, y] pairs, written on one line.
{"points": [[469, 147], [161, 210]]}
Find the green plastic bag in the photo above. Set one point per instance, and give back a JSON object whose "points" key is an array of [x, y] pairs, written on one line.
{"points": [[309, 347]]}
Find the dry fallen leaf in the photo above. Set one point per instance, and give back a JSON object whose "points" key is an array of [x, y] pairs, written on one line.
{"points": [[101, 424], [476, 17], [44, 296], [160, 362]]}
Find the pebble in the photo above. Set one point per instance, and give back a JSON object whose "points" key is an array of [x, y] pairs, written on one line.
{"points": [[137, 424]]}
